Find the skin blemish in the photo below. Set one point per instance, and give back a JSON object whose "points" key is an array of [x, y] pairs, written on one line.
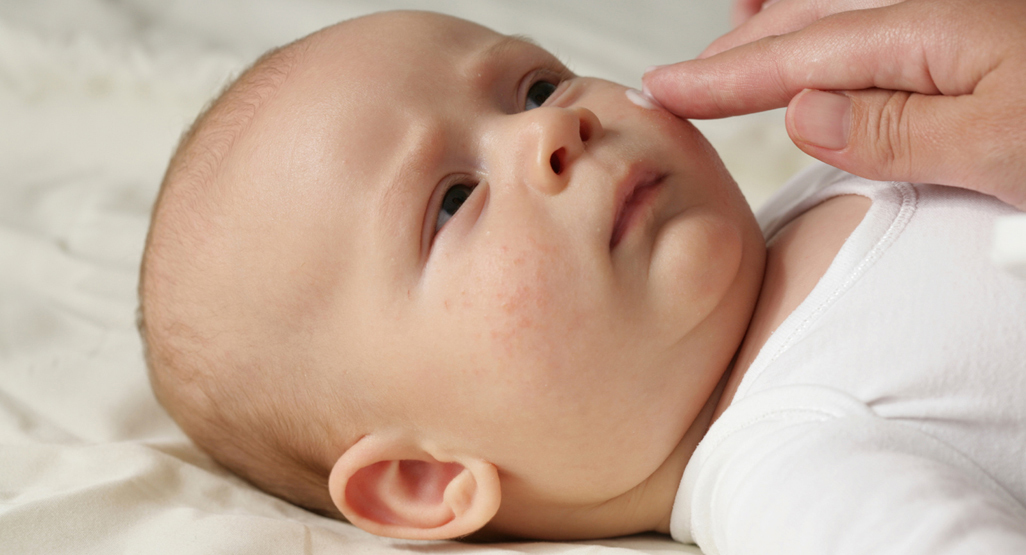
{"points": [[522, 299]]}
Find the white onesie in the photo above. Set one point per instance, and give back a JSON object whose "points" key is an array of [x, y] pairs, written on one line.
{"points": [[887, 414]]}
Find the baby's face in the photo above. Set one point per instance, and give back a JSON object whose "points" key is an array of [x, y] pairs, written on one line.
{"points": [[495, 253]]}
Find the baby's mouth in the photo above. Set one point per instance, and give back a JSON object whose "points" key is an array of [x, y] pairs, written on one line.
{"points": [[635, 194]]}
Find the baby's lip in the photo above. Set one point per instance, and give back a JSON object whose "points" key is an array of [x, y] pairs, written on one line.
{"points": [[632, 192]]}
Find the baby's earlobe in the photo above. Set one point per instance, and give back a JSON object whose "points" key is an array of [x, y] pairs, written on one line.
{"points": [[396, 490], [459, 494]]}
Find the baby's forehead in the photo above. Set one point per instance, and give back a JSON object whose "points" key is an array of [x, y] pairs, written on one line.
{"points": [[331, 169], [391, 38], [375, 80]]}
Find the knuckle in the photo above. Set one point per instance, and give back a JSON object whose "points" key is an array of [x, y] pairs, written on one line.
{"points": [[784, 80], [996, 141], [888, 134]]}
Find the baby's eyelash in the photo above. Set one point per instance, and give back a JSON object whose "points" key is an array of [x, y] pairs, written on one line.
{"points": [[528, 93], [453, 193]]}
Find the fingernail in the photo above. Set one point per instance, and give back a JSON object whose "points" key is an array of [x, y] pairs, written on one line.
{"points": [[648, 94], [823, 119], [653, 68]]}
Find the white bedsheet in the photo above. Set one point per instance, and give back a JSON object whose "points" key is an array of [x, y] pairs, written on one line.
{"points": [[93, 95]]}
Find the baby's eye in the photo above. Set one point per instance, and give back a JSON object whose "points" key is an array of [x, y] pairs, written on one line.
{"points": [[539, 92], [451, 202]]}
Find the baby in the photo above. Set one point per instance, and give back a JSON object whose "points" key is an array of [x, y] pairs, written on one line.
{"points": [[417, 274]]}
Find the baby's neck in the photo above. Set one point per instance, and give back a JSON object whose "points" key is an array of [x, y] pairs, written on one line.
{"points": [[666, 480], [796, 258], [645, 508]]}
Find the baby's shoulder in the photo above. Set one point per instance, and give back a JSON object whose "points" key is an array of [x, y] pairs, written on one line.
{"points": [[797, 257]]}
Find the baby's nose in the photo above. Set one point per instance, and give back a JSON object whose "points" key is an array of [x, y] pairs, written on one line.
{"points": [[563, 134]]}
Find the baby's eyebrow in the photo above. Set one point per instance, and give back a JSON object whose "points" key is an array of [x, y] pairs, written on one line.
{"points": [[510, 42], [506, 43], [417, 151], [525, 38]]}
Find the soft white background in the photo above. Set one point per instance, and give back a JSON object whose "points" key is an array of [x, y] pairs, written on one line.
{"points": [[93, 95]]}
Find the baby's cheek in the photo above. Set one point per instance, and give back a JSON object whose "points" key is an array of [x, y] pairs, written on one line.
{"points": [[528, 305], [518, 295], [696, 267]]}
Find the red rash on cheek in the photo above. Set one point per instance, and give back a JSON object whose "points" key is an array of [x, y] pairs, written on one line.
{"points": [[516, 306], [516, 317], [522, 285]]}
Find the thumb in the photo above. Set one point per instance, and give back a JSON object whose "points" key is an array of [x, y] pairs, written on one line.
{"points": [[888, 135]]}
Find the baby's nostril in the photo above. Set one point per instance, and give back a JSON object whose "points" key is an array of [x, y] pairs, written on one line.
{"points": [[585, 130], [556, 160]]}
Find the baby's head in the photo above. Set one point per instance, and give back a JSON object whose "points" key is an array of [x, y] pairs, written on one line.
{"points": [[321, 318]]}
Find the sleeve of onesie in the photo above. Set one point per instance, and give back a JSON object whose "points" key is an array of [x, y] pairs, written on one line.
{"points": [[809, 481]]}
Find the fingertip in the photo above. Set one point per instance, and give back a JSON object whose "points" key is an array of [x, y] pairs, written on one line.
{"points": [[651, 69], [656, 75], [674, 88], [651, 78], [661, 87]]}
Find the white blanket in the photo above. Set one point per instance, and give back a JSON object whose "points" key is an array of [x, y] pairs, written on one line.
{"points": [[93, 95]]}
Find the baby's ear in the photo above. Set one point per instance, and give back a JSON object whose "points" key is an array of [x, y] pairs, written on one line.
{"points": [[391, 488]]}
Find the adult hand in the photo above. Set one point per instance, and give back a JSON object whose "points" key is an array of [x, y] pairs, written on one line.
{"points": [[925, 90], [742, 10]]}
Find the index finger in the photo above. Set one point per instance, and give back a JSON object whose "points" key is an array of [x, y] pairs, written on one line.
{"points": [[895, 47], [784, 16]]}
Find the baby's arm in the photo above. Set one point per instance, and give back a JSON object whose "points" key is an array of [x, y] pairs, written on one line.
{"points": [[856, 484]]}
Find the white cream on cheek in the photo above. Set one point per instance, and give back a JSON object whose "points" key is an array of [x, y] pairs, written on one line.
{"points": [[643, 100]]}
